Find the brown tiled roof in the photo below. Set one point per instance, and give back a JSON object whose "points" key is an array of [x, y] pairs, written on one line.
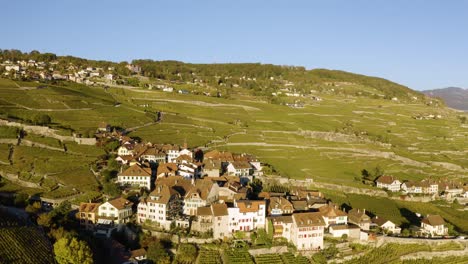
{"points": [[184, 157], [308, 219], [281, 219], [358, 216], [161, 195], [89, 207], [433, 220], [201, 187], [241, 165], [386, 179], [136, 170], [217, 155], [120, 203], [219, 209], [331, 210], [138, 253], [379, 220], [166, 168], [279, 202], [299, 205], [204, 211], [212, 164], [247, 206]]}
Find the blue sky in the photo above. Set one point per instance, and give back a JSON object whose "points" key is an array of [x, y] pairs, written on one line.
{"points": [[419, 43]]}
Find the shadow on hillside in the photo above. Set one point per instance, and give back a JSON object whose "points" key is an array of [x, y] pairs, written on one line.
{"points": [[410, 216]]}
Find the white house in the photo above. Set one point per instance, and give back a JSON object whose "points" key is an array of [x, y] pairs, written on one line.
{"points": [[282, 226], [247, 215], [126, 149], [202, 193], [118, 210], [434, 225], [388, 182], [332, 215], [307, 231], [215, 218], [386, 225], [136, 176], [238, 168]]}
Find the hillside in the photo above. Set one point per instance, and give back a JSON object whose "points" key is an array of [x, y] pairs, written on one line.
{"points": [[339, 124], [453, 96]]}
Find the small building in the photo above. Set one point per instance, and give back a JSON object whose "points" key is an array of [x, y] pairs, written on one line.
{"points": [[332, 215], [388, 182], [118, 210], [87, 215], [351, 231], [359, 218], [434, 225], [279, 206], [386, 225], [135, 176]]}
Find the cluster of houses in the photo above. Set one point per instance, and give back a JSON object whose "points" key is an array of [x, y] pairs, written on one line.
{"points": [[47, 71], [208, 192], [428, 187]]}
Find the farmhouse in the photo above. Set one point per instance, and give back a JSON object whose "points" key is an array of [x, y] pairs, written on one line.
{"points": [[332, 215], [388, 182], [279, 206], [434, 225], [136, 176], [307, 230], [385, 225], [117, 210], [359, 218]]}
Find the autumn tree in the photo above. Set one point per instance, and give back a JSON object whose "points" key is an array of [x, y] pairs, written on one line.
{"points": [[71, 250]]}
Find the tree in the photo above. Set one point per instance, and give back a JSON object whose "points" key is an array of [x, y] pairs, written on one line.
{"points": [[186, 253], [71, 250], [111, 189], [45, 220], [42, 119], [157, 253], [33, 208]]}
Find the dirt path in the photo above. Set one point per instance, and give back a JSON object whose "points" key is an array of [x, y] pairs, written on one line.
{"points": [[201, 103]]}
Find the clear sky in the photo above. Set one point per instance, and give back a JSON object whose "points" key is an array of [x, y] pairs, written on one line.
{"points": [[419, 43]]}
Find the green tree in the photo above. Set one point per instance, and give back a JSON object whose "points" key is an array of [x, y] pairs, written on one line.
{"points": [[71, 250], [42, 119], [111, 189], [33, 208], [45, 220], [157, 253], [186, 253]]}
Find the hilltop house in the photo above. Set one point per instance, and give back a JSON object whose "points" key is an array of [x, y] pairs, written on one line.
{"points": [[202, 193], [247, 215], [87, 215], [332, 215], [281, 226], [117, 210], [434, 225], [359, 218], [162, 206], [279, 206], [388, 182], [136, 176], [385, 225], [307, 230], [213, 218]]}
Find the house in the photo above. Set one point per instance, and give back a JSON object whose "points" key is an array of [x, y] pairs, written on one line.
{"points": [[172, 152], [222, 156], [429, 187], [166, 169], [201, 193], [87, 215], [332, 215], [434, 225], [187, 170], [211, 168], [162, 206], [126, 149], [247, 215], [279, 206], [151, 155], [412, 187], [238, 168], [359, 218], [307, 230], [388, 182], [104, 127], [136, 176], [451, 189], [138, 254], [386, 225], [350, 230], [281, 226], [213, 218], [118, 210]]}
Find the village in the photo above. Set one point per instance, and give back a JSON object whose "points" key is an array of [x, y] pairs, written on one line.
{"points": [[216, 195]]}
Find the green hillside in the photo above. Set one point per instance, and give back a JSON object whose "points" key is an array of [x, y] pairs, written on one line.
{"points": [[354, 127]]}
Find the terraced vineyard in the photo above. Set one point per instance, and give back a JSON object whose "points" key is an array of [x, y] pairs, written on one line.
{"points": [[237, 256], [24, 245], [209, 256]]}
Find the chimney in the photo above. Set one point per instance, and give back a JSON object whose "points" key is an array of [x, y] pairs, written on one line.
{"points": [[364, 210]]}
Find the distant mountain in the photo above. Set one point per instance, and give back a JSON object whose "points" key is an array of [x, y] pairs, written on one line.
{"points": [[454, 97]]}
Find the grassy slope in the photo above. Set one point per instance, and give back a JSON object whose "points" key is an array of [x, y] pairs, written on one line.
{"points": [[240, 125]]}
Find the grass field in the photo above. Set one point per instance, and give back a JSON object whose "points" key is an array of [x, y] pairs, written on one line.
{"points": [[329, 141]]}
